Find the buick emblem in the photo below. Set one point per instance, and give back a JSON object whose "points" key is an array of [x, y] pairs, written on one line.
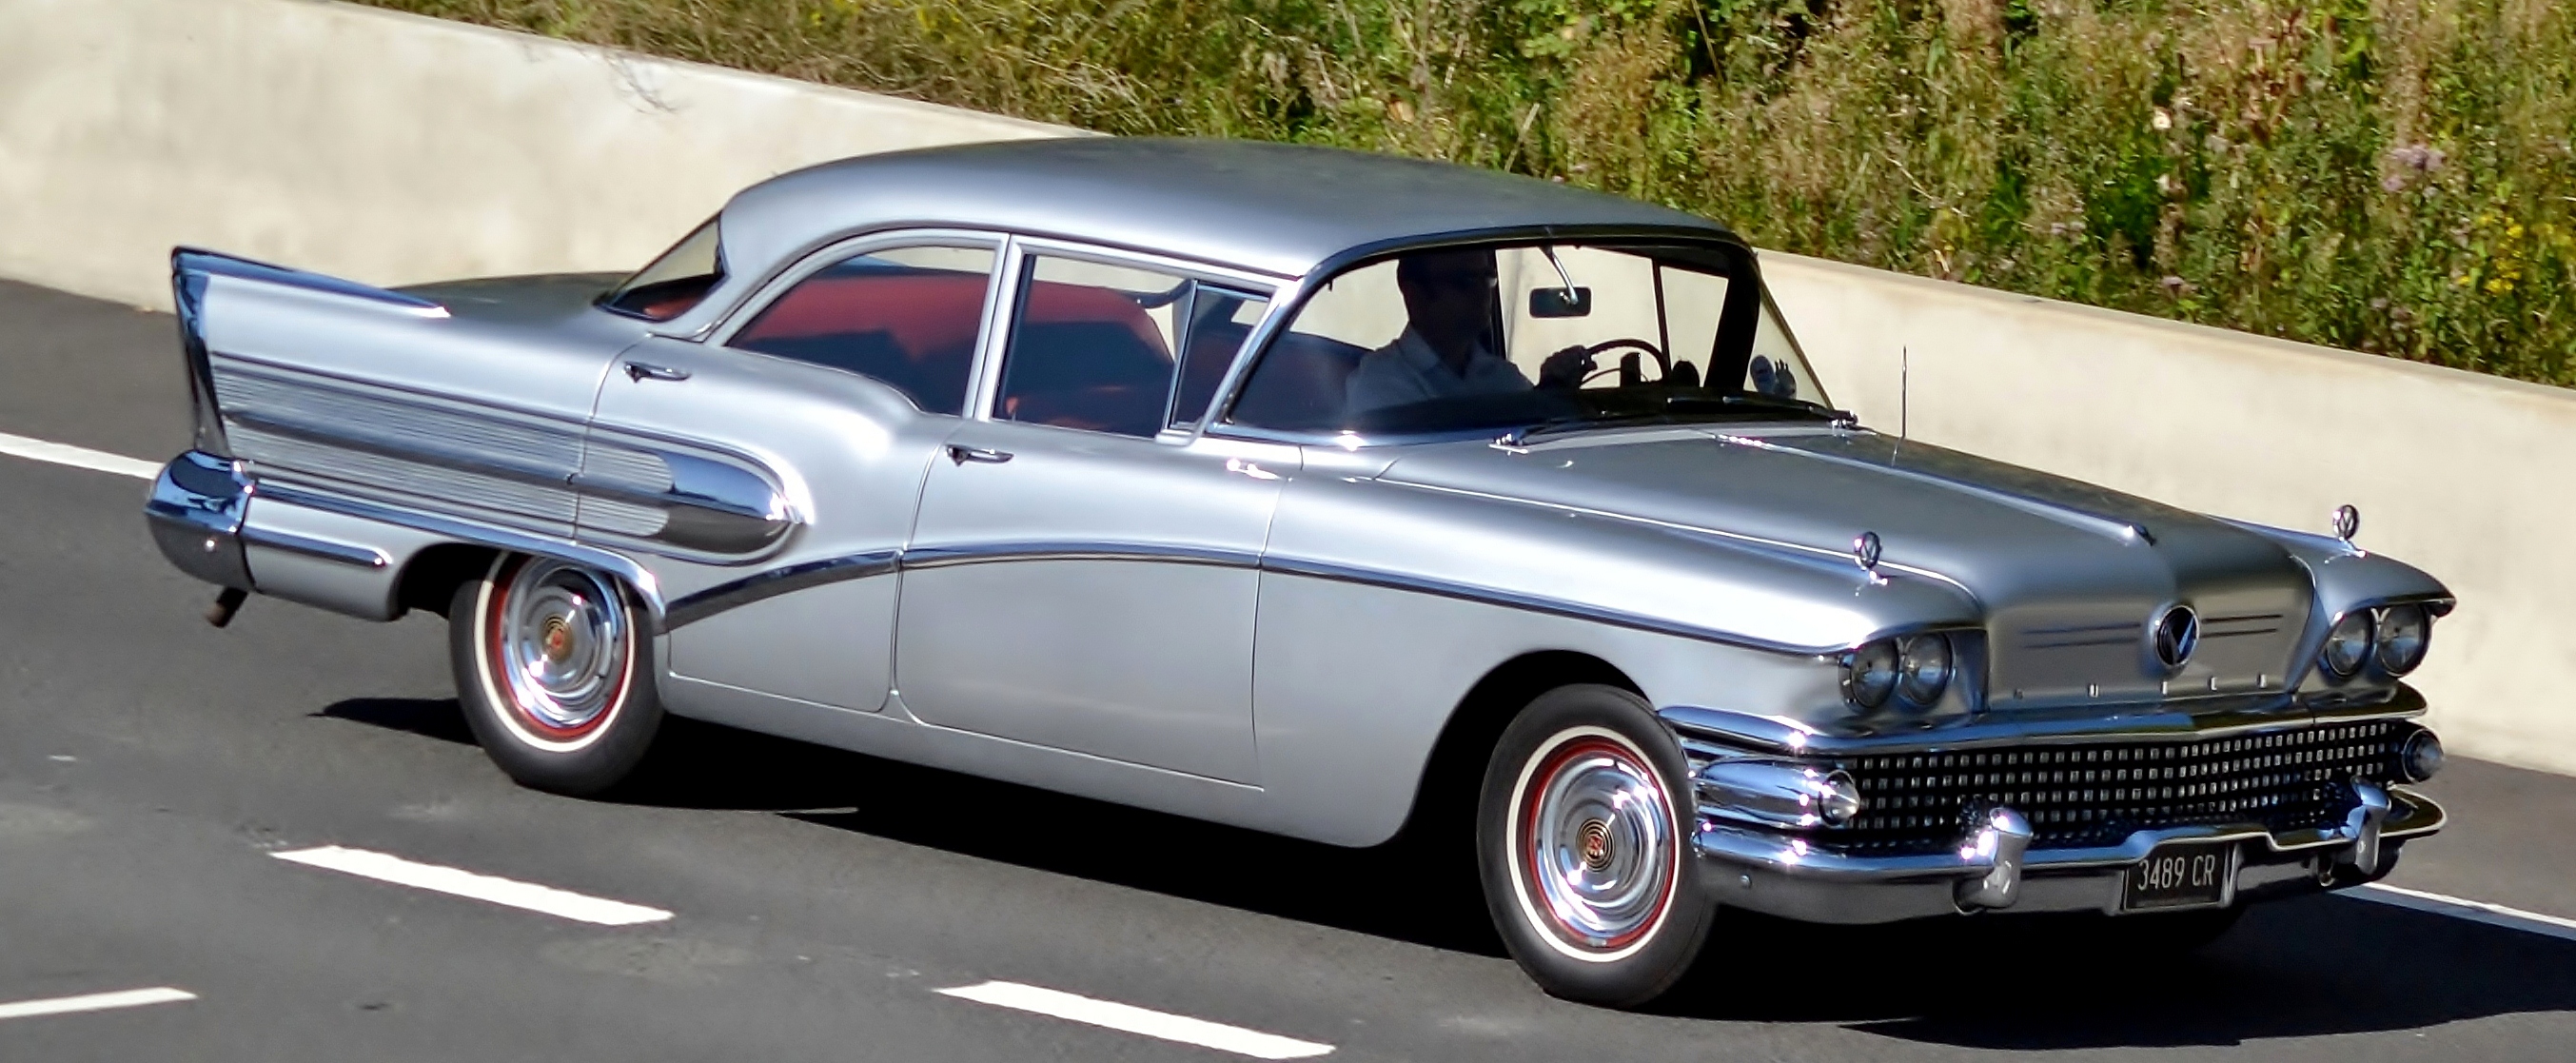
{"points": [[2177, 634]]}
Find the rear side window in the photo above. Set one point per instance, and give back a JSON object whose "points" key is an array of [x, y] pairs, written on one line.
{"points": [[905, 317], [673, 283], [1118, 349]]}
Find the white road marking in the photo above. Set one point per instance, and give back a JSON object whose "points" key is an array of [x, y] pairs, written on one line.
{"points": [[2473, 911], [77, 457], [1132, 1019], [385, 867], [126, 998]]}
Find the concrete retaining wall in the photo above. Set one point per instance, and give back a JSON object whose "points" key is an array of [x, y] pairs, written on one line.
{"points": [[393, 149]]}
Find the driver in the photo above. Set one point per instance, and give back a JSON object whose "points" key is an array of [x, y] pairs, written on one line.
{"points": [[1443, 352]]}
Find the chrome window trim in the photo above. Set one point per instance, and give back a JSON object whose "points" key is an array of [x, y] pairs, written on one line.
{"points": [[1004, 309], [720, 332]]}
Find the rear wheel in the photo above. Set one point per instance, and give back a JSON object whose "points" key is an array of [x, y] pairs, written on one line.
{"points": [[1584, 845], [554, 673]]}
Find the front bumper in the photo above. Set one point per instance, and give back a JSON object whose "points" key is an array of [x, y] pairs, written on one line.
{"points": [[1763, 871]]}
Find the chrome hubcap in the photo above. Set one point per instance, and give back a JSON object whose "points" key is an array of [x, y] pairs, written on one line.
{"points": [[1598, 841], [561, 643]]}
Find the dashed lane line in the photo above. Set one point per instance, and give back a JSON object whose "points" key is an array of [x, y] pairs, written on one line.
{"points": [[2473, 911], [77, 457], [124, 998], [1132, 1019], [386, 867]]}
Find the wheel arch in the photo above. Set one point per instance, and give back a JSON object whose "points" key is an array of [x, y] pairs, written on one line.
{"points": [[1446, 790]]}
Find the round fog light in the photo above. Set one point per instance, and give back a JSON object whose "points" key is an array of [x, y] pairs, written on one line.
{"points": [[1840, 802], [2421, 757]]}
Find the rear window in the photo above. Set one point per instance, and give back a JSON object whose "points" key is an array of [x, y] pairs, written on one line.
{"points": [[676, 281]]}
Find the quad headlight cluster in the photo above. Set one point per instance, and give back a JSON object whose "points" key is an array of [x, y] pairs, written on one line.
{"points": [[1912, 670], [2392, 636]]}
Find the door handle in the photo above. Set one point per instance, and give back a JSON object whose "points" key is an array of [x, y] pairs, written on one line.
{"points": [[962, 454], [639, 371]]}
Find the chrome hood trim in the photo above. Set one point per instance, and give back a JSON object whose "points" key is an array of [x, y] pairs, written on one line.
{"points": [[2069, 576]]}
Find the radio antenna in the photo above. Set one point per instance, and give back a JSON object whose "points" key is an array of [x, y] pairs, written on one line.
{"points": [[1904, 393]]}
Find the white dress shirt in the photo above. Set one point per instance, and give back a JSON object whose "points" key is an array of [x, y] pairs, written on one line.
{"points": [[1408, 371]]}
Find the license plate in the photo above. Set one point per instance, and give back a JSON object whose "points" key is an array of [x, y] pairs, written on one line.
{"points": [[2180, 875]]}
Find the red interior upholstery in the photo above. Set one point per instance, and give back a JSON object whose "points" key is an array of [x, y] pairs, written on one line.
{"points": [[924, 313]]}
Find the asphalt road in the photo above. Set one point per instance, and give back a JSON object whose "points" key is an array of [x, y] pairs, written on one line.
{"points": [[150, 766]]}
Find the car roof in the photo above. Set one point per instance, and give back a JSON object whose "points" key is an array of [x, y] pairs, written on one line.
{"points": [[1281, 209]]}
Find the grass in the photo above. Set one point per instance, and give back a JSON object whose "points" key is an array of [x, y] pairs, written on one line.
{"points": [[2392, 176]]}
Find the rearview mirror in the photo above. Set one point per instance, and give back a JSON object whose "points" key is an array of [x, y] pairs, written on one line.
{"points": [[1560, 302]]}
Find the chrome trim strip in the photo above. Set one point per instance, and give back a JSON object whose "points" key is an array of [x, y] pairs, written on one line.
{"points": [[368, 443], [218, 264], [635, 575], [1003, 553], [691, 608], [1532, 603], [2413, 815], [2121, 530], [1839, 559], [2242, 715], [344, 553]]}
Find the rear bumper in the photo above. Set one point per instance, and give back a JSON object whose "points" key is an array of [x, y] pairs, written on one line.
{"points": [[196, 510], [1751, 868]]}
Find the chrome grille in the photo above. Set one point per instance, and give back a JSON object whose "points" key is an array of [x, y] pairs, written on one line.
{"points": [[2078, 796]]}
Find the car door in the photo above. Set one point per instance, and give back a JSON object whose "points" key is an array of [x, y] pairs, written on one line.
{"points": [[767, 476], [1083, 571]]}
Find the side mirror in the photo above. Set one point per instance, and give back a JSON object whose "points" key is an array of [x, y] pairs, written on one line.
{"points": [[1560, 302]]}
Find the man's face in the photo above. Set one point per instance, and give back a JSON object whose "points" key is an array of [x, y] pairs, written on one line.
{"points": [[1448, 295]]}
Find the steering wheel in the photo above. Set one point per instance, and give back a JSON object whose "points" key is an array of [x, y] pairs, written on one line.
{"points": [[1663, 362]]}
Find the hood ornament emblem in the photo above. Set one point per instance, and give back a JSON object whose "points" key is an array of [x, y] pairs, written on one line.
{"points": [[2347, 523], [1865, 550], [2177, 633]]}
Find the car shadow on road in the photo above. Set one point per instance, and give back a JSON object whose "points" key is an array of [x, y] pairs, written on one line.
{"points": [[2299, 968], [720, 767], [438, 718], [2320, 965]]}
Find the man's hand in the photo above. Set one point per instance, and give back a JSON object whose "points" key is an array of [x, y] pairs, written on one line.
{"points": [[1565, 370]]}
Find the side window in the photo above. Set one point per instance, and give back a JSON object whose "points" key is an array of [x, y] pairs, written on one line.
{"points": [[673, 284], [1118, 349], [907, 317]]}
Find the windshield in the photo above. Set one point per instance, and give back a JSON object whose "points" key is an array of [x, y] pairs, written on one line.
{"points": [[1537, 336]]}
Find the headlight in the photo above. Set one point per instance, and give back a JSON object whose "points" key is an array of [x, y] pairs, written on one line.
{"points": [[2404, 631], [1869, 675], [1923, 666], [2347, 645]]}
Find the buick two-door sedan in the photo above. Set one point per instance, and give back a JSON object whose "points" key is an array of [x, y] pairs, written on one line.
{"points": [[1316, 493]]}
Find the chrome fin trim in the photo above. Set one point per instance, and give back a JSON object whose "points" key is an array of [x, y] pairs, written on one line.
{"points": [[625, 568], [344, 553], [191, 260], [691, 608]]}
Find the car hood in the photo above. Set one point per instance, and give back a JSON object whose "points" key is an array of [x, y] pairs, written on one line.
{"points": [[2070, 577]]}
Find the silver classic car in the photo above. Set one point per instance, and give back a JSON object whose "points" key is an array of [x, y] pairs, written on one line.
{"points": [[1318, 493]]}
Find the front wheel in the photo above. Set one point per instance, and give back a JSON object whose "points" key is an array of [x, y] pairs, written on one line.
{"points": [[1583, 835], [554, 673]]}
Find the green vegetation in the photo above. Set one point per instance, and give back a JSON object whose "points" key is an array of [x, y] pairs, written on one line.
{"points": [[2385, 175]]}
